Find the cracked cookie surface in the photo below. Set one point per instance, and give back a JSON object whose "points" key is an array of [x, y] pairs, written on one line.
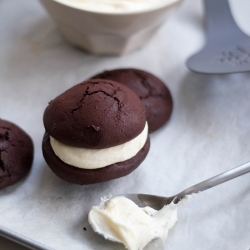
{"points": [[16, 153], [153, 93], [95, 114]]}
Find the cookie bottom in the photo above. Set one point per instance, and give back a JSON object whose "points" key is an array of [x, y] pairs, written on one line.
{"points": [[90, 176]]}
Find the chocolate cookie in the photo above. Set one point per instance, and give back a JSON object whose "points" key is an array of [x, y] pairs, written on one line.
{"points": [[90, 176], [16, 153], [95, 114], [153, 93]]}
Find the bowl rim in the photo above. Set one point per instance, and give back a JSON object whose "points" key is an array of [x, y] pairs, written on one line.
{"points": [[159, 6]]}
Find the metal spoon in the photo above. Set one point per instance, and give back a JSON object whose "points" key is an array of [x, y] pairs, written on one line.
{"points": [[227, 48], [157, 202]]}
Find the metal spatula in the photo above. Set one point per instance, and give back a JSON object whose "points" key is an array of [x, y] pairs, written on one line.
{"points": [[227, 49]]}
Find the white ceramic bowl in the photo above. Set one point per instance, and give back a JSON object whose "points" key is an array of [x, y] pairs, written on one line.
{"points": [[108, 33]]}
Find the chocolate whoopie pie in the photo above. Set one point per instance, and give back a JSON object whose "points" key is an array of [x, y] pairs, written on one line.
{"points": [[16, 153], [89, 127], [153, 93]]}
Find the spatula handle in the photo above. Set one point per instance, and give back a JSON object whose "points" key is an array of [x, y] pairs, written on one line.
{"points": [[219, 20]]}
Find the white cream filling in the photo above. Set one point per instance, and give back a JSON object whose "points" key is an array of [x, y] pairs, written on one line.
{"points": [[99, 158], [115, 6], [121, 220]]}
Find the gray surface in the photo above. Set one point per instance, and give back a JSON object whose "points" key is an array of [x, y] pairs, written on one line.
{"points": [[209, 132], [227, 48]]}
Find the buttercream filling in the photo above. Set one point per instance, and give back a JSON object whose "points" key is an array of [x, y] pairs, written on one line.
{"points": [[98, 158]]}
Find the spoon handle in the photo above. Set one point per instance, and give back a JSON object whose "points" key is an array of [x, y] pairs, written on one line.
{"points": [[219, 20], [216, 180]]}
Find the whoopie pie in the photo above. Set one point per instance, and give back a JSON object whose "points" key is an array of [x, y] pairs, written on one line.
{"points": [[95, 131]]}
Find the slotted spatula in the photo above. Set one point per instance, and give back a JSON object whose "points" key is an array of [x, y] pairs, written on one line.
{"points": [[227, 49]]}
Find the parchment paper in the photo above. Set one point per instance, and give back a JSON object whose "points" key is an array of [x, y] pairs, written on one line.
{"points": [[209, 132]]}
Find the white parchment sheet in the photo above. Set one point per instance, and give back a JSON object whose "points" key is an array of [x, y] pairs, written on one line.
{"points": [[209, 132]]}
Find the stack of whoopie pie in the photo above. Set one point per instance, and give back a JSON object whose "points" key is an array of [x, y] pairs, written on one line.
{"points": [[16, 153], [95, 131]]}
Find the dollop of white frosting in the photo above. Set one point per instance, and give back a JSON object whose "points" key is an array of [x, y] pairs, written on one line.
{"points": [[121, 220], [99, 158], [115, 6]]}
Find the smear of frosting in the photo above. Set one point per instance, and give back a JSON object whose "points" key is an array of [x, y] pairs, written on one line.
{"points": [[121, 220]]}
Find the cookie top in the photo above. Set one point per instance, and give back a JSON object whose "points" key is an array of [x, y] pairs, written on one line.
{"points": [[95, 114], [153, 93], [16, 153]]}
